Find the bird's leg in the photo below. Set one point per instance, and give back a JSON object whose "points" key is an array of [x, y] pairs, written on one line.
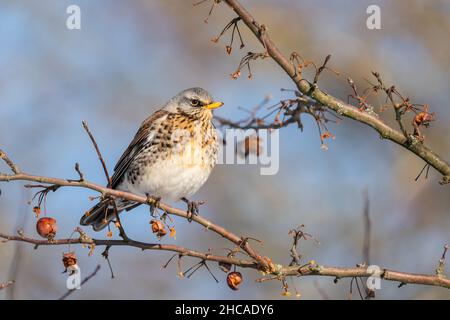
{"points": [[154, 204], [192, 207]]}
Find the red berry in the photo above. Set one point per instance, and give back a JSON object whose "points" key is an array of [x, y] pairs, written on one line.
{"points": [[46, 227]]}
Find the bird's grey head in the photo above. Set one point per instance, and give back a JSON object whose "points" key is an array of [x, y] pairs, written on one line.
{"points": [[192, 101]]}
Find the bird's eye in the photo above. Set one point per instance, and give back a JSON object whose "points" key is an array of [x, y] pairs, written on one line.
{"points": [[195, 102]]}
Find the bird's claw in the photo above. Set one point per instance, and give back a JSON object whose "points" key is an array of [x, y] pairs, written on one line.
{"points": [[154, 203], [192, 208]]}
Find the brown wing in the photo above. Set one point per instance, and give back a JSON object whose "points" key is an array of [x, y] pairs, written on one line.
{"points": [[134, 147]]}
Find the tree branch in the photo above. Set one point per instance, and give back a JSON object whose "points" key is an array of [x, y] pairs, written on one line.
{"points": [[278, 273], [338, 273], [257, 261], [137, 244], [239, 241], [14, 168], [411, 142]]}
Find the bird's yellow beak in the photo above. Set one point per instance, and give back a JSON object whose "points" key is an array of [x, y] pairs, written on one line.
{"points": [[214, 105]]}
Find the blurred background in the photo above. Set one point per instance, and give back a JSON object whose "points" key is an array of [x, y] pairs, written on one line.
{"points": [[129, 58]]}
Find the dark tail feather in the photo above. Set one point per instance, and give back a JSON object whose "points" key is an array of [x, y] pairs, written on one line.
{"points": [[99, 215], [103, 212]]}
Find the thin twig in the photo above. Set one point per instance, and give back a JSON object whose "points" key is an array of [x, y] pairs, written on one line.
{"points": [[14, 168], [105, 255], [77, 169], [105, 170]]}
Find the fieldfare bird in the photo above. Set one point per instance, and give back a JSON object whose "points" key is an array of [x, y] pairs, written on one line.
{"points": [[170, 157]]}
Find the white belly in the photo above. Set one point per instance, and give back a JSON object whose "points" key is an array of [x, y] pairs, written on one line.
{"points": [[171, 179]]}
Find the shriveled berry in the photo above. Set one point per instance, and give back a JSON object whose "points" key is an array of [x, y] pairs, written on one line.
{"points": [[158, 228], [234, 279]]}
